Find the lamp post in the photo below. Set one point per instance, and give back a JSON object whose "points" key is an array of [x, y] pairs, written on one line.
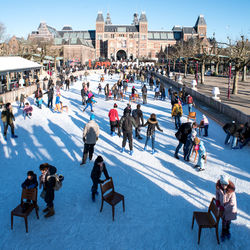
{"points": [[196, 72], [229, 79]]}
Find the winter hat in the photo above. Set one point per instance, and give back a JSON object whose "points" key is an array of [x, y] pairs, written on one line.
{"points": [[115, 105], [224, 180], [99, 159], [30, 173], [92, 117]]}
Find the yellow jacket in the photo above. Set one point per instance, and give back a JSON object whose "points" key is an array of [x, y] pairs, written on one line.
{"points": [[177, 110]]}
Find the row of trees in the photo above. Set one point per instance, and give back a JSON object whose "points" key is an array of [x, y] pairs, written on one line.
{"points": [[204, 52]]}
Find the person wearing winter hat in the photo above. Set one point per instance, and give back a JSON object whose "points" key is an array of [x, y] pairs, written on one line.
{"points": [[98, 168], [227, 204], [113, 119], [90, 136]]}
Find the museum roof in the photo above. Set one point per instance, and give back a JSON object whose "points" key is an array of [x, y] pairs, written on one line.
{"points": [[200, 21], [189, 30], [160, 35], [121, 28]]}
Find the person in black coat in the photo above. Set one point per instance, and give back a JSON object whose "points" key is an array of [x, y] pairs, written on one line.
{"points": [[174, 99], [144, 94], [138, 116], [151, 123], [126, 126], [31, 181], [182, 134], [50, 94], [48, 180], [99, 167]]}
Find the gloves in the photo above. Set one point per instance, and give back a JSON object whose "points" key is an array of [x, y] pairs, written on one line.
{"points": [[101, 181], [217, 203], [119, 134], [84, 139]]}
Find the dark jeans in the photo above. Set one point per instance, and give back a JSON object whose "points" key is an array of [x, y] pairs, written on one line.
{"points": [[94, 187], [88, 150], [153, 141], [113, 125], [188, 148], [127, 135], [137, 132], [178, 148], [50, 103], [49, 197], [206, 130], [177, 121], [5, 125]]}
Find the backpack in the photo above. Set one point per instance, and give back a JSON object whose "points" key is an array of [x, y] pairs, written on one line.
{"points": [[127, 125], [59, 179], [190, 100]]}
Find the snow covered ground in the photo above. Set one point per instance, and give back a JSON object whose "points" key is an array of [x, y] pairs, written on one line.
{"points": [[160, 191]]}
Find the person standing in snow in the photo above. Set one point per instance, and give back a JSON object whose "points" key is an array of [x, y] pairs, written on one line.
{"points": [[98, 168], [138, 116], [114, 119], [177, 114], [90, 136], [151, 123], [205, 123], [126, 126], [227, 204], [8, 120], [182, 134], [202, 154], [50, 94], [189, 144], [106, 91], [48, 181]]}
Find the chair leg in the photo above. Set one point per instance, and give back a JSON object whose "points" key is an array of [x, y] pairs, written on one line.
{"points": [[217, 235], [37, 215], [26, 224], [11, 221], [113, 212], [193, 222], [123, 204], [199, 235], [101, 206]]}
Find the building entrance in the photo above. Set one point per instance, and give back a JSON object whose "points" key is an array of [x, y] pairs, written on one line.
{"points": [[121, 55]]}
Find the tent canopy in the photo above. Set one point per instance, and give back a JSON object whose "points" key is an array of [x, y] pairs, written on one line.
{"points": [[16, 64]]}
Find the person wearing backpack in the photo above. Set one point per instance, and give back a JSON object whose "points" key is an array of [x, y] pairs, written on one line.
{"points": [[48, 181], [138, 116], [126, 126], [190, 103], [177, 114]]}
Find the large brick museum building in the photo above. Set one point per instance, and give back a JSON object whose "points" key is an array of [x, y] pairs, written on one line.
{"points": [[117, 41]]}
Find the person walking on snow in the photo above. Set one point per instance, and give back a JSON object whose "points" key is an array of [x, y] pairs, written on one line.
{"points": [[90, 136], [144, 94], [205, 123], [177, 114], [126, 126], [114, 119], [151, 123], [90, 103], [98, 168], [227, 204], [8, 120]]}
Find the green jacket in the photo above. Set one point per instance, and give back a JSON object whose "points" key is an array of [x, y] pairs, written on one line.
{"points": [[7, 116]]}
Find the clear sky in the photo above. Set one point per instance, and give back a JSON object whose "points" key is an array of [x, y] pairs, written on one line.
{"points": [[224, 17]]}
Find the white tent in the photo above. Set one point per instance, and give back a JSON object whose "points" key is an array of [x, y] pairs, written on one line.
{"points": [[16, 64]]}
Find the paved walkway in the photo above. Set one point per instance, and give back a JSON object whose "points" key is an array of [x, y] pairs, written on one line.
{"points": [[240, 101]]}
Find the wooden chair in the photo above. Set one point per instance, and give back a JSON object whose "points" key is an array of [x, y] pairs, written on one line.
{"points": [[191, 115], [111, 197], [208, 219], [25, 208]]}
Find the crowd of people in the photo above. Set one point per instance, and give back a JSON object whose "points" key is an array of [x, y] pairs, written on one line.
{"points": [[186, 132]]}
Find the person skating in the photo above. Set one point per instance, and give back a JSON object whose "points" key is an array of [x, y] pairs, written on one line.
{"points": [[8, 120], [98, 168], [50, 94], [106, 91], [202, 154], [138, 116], [48, 181], [27, 110], [151, 123], [205, 123], [227, 204], [39, 97], [114, 119], [144, 94], [90, 136], [182, 134], [190, 103], [177, 114], [126, 126], [90, 103], [189, 144]]}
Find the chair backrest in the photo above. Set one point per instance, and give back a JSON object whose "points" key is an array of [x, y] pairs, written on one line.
{"points": [[107, 186], [213, 208], [29, 194], [192, 115]]}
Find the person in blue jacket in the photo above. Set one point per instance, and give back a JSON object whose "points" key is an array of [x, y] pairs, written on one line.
{"points": [[31, 181]]}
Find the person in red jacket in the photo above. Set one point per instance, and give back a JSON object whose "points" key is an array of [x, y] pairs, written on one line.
{"points": [[114, 119]]}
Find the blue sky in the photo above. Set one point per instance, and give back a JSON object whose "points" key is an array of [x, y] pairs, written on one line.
{"points": [[224, 18]]}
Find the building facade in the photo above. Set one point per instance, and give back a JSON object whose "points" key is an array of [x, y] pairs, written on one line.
{"points": [[118, 42]]}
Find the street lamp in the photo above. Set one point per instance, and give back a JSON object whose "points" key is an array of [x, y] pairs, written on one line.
{"points": [[229, 72]]}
